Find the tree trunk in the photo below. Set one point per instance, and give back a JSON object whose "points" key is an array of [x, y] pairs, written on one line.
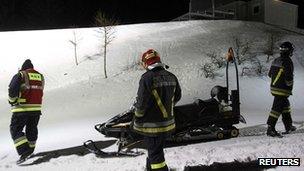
{"points": [[75, 52], [105, 56]]}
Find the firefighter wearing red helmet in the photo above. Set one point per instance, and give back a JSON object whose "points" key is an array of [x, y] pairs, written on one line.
{"points": [[25, 97], [158, 91], [281, 74]]}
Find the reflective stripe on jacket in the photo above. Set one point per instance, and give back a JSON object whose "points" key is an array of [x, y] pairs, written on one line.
{"points": [[158, 91], [29, 84], [281, 74]]}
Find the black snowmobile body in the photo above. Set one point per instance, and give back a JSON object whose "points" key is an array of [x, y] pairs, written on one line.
{"points": [[202, 119]]}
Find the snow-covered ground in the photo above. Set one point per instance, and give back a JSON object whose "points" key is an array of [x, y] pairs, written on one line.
{"points": [[78, 97]]}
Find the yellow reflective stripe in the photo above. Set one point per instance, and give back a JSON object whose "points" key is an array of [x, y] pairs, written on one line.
{"points": [[278, 76], [32, 144], [34, 77], [20, 100], [274, 114], [12, 99], [158, 165], [155, 130], [139, 113], [26, 109], [279, 93], [159, 103], [287, 110], [20, 141], [281, 90], [172, 104]]}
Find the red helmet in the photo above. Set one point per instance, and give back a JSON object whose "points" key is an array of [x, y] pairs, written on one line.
{"points": [[150, 57]]}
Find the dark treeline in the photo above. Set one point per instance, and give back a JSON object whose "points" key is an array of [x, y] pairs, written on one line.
{"points": [[48, 14]]}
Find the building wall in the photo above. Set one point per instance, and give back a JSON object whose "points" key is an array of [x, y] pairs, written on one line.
{"points": [[273, 12], [240, 9], [281, 14], [256, 10]]}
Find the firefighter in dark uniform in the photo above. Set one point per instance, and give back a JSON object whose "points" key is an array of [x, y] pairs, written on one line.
{"points": [[281, 74], [25, 96], [158, 91]]}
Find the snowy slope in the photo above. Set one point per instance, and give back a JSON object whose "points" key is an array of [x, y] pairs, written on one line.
{"points": [[78, 97]]}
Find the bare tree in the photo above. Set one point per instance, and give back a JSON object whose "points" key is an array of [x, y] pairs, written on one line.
{"points": [[75, 41], [241, 49], [237, 48], [107, 30], [273, 37]]}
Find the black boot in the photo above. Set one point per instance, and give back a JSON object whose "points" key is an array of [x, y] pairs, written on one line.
{"points": [[287, 121], [24, 156], [272, 132], [290, 129]]}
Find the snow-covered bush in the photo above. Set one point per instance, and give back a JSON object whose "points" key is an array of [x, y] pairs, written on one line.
{"points": [[254, 67], [217, 60], [208, 70], [212, 64]]}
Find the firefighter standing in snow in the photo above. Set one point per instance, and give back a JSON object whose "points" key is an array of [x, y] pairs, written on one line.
{"points": [[281, 74], [158, 91], [25, 96]]}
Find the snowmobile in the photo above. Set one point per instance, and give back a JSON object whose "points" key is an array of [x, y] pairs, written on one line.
{"points": [[203, 119]]}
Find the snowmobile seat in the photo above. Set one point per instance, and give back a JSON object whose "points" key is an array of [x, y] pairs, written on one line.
{"points": [[206, 103], [192, 113], [208, 107]]}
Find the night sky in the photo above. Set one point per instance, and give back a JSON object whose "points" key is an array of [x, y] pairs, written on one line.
{"points": [[49, 14], [44, 14]]}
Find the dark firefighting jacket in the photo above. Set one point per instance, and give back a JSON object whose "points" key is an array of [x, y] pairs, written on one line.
{"points": [[26, 91], [281, 74], [158, 91]]}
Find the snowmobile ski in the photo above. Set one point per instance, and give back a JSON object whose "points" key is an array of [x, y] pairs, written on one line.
{"points": [[91, 146]]}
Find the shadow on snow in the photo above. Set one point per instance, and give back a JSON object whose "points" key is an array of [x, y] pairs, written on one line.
{"points": [[78, 150]]}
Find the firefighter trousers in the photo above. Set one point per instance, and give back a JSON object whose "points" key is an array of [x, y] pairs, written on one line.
{"points": [[281, 105], [24, 141], [156, 158]]}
